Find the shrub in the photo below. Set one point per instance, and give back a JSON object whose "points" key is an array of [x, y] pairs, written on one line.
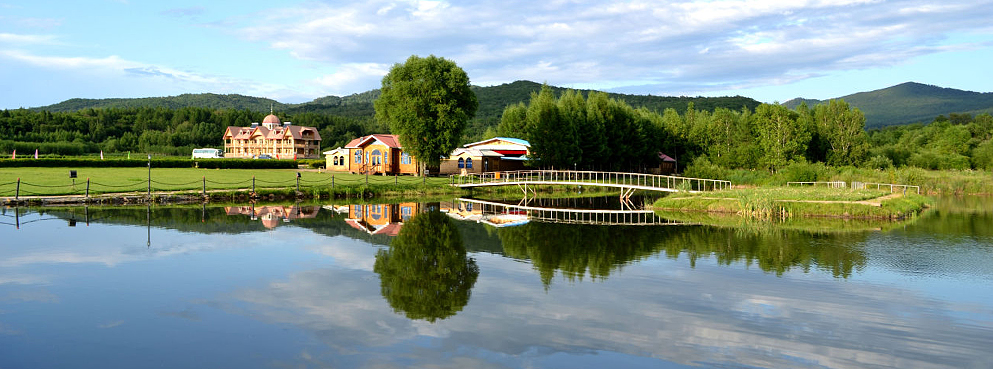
{"points": [[701, 167], [879, 162]]}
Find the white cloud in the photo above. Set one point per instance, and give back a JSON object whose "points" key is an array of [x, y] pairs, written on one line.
{"points": [[641, 41], [26, 39]]}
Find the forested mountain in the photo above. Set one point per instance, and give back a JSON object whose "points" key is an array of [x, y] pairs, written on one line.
{"points": [[492, 101], [911, 102]]}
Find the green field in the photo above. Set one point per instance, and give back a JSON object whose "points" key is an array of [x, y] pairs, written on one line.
{"points": [[56, 181]]}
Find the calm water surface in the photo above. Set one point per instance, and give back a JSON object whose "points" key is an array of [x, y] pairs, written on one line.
{"points": [[404, 285]]}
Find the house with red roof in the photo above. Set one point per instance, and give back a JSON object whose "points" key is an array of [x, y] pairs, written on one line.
{"points": [[276, 139], [372, 154]]}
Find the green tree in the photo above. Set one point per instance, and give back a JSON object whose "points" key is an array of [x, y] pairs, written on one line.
{"points": [[427, 102], [782, 135], [843, 129], [513, 122], [553, 139], [426, 273]]}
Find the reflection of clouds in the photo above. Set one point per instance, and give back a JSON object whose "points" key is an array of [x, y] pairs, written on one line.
{"points": [[33, 295], [710, 316], [113, 324]]}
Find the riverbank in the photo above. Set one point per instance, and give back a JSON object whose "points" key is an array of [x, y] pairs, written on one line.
{"points": [[795, 202]]}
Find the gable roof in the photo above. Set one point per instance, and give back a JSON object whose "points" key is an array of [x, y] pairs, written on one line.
{"points": [[508, 139], [388, 140]]}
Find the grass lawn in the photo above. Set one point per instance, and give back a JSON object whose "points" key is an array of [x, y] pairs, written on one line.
{"points": [[56, 181]]}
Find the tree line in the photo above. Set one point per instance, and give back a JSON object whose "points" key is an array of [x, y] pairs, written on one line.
{"points": [[152, 130], [603, 133]]}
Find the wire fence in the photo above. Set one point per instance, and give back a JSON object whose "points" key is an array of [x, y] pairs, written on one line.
{"points": [[75, 187]]}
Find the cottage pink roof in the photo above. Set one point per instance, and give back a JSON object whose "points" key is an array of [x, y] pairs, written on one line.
{"points": [[390, 140]]}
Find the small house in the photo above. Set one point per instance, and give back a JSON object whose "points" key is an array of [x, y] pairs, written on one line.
{"points": [[492, 155], [372, 154]]}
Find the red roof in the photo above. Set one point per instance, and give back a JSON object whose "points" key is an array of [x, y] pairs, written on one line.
{"points": [[390, 140]]}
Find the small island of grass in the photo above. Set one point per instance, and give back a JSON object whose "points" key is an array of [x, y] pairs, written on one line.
{"points": [[789, 202]]}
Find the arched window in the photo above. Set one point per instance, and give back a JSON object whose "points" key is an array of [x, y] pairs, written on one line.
{"points": [[468, 163], [358, 156], [334, 160], [376, 157], [461, 163]]}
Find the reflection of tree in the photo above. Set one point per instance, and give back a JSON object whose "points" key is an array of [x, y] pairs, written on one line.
{"points": [[580, 250], [426, 272]]}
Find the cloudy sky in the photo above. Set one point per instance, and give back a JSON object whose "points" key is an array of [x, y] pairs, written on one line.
{"points": [[295, 51]]}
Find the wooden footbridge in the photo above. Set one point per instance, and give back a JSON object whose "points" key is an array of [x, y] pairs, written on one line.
{"points": [[627, 182], [482, 210]]}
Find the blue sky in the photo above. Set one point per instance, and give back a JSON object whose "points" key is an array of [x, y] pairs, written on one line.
{"points": [[295, 51]]}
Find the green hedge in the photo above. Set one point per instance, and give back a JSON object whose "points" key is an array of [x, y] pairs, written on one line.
{"points": [[156, 163]]}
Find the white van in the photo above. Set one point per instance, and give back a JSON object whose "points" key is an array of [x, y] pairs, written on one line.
{"points": [[207, 153]]}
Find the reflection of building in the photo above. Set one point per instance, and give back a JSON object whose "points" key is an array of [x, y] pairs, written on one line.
{"points": [[271, 215], [482, 213], [372, 154], [492, 155], [385, 219], [273, 138]]}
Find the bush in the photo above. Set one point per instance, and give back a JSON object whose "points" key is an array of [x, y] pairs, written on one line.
{"points": [[804, 172], [879, 162], [701, 167]]}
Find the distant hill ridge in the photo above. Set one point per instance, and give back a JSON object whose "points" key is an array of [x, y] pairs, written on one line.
{"points": [[492, 101], [905, 103], [911, 102]]}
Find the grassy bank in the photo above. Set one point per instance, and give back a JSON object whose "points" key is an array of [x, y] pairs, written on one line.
{"points": [[944, 182], [793, 202], [56, 182]]}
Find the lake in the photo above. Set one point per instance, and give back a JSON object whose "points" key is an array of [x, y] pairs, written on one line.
{"points": [[453, 284]]}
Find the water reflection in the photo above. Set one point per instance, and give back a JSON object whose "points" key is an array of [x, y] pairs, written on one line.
{"points": [[379, 219], [426, 273], [318, 292], [271, 215]]}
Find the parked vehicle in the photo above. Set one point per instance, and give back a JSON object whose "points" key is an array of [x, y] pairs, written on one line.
{"points": [[264, 156], [207, 154]]}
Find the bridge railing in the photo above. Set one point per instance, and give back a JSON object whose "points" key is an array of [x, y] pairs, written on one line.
{"points": [[603, 178]]}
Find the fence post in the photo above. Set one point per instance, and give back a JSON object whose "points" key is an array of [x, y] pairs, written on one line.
{"points": [[204, 185], [367, 177], [395, 179], [17, 192], [149, 175], [87, 187], [298, 181], [332, 181], [253, 184]]}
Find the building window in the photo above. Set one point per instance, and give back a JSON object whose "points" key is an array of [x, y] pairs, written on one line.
{"points": [[461, 163], [404, 158], [377, 157], [358, 156], [468, 163]]}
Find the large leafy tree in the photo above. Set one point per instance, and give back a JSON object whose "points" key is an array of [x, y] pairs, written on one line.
{"points": [[428, 103], [843, 129], [426, 273], [782, 134]]}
